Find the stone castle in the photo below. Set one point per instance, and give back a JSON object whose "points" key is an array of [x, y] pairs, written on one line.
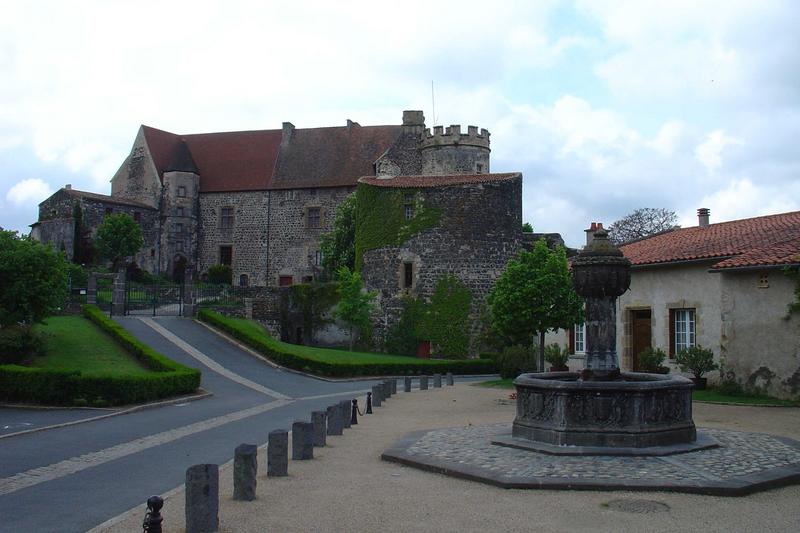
{"points": [[258, 201]]}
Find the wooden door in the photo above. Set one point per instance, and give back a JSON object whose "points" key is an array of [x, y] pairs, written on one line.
{"points": [[642, 333]]}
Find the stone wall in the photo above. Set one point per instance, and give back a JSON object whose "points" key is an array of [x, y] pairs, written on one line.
{"points": [[138, 178], [479, 231], [179, 230]]}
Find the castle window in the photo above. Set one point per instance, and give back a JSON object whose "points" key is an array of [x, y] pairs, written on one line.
{"points": [[479, 168], [179, 246], [318, 257], [226, 255], [243, 280], [181, 191], [152, 252], [109, 211], [137, 216], [179, 211], [179, 229], [408, 275], [408, 206], [313, 220], [226, 218]]}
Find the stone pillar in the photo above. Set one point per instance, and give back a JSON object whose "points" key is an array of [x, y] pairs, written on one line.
{"points": [[91, 289], [245, 467], [278, 453], [118, 294], [601, 334], [376, 396], [393, 385], [302, 441], [407, 384], [344, 406], [319, 420], [423, 383], [202, 498], [437, 381], [189, 302], [248, 308], [387, 389], [450, 379], [335, 423]]}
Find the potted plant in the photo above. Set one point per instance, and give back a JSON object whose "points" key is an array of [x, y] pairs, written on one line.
{"points": [[652, 360], [557, 357], [698, 361]]}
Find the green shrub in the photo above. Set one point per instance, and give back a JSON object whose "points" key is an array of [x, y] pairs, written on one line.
{"points": [[729, 387], [555, 355], [652, 359], [515, 360], [23, 384], [299, 358], [697, 360], [220, 274], [18, 343]]}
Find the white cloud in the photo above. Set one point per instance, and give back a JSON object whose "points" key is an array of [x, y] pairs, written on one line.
{"points": [[741, 198], [28, 191], [710, 151]]}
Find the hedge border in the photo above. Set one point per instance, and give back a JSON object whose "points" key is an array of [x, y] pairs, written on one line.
{"points": [[39, 385], [335, 369]]}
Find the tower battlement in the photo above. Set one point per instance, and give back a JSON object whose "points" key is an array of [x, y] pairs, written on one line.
{"points": [[452, 136]]}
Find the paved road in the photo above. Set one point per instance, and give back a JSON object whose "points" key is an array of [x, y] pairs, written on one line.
{"points": [[75, 477]]}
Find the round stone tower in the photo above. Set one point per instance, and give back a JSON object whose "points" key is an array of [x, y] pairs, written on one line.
{"points": [[448, 151]]}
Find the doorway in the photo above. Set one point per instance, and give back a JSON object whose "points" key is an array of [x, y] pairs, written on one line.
{"points": [[642, 333]]}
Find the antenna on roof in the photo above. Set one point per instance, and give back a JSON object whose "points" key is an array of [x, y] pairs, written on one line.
{"points": [[433, 105]]}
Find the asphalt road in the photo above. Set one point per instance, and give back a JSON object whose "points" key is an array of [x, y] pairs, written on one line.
{"points": [[74, 477]]}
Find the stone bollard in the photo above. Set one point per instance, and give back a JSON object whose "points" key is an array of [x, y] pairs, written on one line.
{"points": [[450, 379], [344, 405], [278, 453], [376, 396], [334, 420], [319, 419], [302, 440], [393, 384], [437, 381], [407, 384], [423, 383], [387, 390], [245, 467], [202, 498]]}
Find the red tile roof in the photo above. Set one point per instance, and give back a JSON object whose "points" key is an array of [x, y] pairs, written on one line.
{"points": [[437, 181], [255, 160], [761, 241]]}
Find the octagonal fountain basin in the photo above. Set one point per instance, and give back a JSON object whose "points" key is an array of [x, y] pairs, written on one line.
{"points": [[636, 414]]}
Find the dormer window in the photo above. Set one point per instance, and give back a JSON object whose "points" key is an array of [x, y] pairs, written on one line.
{"points": [[181, 191]]}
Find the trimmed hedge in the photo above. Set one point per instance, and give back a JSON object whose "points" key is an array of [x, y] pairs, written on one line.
{"points": [[24, 384], [323, 361]]}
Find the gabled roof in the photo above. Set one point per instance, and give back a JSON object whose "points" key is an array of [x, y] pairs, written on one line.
{"points": [[437, 181], [258, 160], [771, 240], [103, 198]]}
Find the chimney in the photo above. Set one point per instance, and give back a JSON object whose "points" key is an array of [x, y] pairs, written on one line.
{"points": [[286, 134], [413, 122], [68, 186], [702, 217], [594, 226], [351, 125]]}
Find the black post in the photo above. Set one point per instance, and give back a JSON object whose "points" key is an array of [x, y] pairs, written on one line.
{"points": [[153, 518], [369, 404], [354, 416]]}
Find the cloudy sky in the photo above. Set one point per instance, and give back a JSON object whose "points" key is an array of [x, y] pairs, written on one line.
{"points": [[605, 106]]}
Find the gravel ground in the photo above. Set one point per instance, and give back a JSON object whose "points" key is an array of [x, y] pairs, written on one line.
{"points": [[346, 487]]}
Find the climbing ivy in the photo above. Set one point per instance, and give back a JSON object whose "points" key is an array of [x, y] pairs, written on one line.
{"points": [[381, 221], [402, 338]]}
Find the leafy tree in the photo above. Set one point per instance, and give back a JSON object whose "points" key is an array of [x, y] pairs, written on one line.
{"points": [[403, 338], [533, 295], [446, 319], [338, 246], [355, 304], [642, 223], [527, 228], [33, 280], [118, 237]]}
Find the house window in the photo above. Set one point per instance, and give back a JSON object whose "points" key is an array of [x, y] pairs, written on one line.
{"points": [[580, 338], [137, 216], [226, 255], [318, 258], [408, 206], [682, 330], [244, 281], [226, 218], [313, 217], [408, 275], [181, 191]]}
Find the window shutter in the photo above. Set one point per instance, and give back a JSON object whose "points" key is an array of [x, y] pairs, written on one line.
{"points": [[671, 333], [572, 340]]}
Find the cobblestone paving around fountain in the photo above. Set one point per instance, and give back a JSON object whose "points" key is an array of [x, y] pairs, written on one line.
{"points": [[742, 464]]}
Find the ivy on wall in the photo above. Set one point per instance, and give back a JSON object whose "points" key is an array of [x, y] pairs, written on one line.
{"points": [[381, 218]]}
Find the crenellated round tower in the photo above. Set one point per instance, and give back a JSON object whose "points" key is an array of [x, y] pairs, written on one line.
{"points": [[449, 151]]}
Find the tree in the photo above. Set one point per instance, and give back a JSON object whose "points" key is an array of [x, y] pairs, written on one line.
{"points": [[445, 320], [118, 237], [527, 227], [533, 295], [33, 280], [642, 223], [338, 246], [355, 304]]}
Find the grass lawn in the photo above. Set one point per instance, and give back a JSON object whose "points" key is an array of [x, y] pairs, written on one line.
{"points": [[708, 395], [74, 343], [328, 355]]}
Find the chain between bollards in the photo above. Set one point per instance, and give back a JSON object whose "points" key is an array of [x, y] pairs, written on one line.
{"points": [[153, 519]]}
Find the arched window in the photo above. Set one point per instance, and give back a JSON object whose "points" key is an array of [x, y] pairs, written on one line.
{"points": [[243, 280]]}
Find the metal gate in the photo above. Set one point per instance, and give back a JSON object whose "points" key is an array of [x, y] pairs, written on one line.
{"points": [[156, 299]]}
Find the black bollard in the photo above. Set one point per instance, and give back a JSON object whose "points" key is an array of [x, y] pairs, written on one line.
{"points": [[153, 518], [354, 415], [369, 404]]}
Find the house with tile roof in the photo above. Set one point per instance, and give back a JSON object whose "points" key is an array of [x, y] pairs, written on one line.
{"points": [[722, 286]]}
